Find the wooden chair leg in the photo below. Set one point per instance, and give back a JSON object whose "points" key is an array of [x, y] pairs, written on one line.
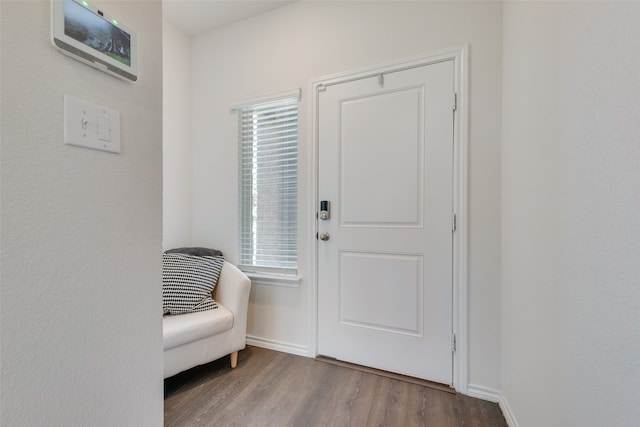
{"points": [[234, 359]]}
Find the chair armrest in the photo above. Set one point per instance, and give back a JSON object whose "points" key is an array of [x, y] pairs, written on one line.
{"points": [[232, 291]]}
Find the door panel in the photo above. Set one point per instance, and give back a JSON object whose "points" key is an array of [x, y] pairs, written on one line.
{"points": [[367, 279], [385, 273], [365, 129]]}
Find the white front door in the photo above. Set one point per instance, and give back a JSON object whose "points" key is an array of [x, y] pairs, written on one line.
{"points": [[385, 269]]}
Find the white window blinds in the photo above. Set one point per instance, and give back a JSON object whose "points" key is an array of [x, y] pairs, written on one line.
{"points": [[268, 139]]}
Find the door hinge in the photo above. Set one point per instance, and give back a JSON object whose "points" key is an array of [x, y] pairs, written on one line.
{"points": [[454, 222], [321, 88], [455, 101], [453, 343]]}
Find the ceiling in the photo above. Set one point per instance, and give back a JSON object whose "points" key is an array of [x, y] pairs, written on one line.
{"points": [[194, 17]]}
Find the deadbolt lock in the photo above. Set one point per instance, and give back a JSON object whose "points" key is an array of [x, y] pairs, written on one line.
{"points": [[324, 210]]}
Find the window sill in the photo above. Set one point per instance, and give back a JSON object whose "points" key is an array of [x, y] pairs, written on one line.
{"points": [[274, 280]]}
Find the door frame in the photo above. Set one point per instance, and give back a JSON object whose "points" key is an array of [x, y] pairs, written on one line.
{"points": [[460, 56]]}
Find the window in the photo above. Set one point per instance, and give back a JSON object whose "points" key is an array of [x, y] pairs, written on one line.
{"points": [[268, 186]]}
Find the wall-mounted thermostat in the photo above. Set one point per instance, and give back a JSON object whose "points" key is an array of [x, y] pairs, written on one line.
{"points": [[91, 126]]}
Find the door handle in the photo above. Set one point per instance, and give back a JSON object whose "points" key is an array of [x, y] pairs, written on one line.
{"points": [[324, 236]]}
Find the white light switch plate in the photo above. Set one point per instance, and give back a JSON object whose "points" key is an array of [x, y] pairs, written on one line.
{"points": [[91, 126]]}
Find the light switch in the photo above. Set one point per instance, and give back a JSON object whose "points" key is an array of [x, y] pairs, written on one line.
{"points": [[91, 126], [104, 128]]}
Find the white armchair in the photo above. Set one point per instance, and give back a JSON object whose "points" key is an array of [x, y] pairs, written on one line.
{"points": [[196, 338]]}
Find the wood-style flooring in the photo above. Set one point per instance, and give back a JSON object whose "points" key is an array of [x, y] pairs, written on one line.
{"points": [[269, 388]]}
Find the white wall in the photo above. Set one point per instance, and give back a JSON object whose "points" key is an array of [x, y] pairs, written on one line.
{"points": [[571, 233], [81, 233], [176, 143], [287, 47]]}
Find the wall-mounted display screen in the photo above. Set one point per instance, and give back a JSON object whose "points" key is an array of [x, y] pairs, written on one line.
{"points": [[81, 30]]}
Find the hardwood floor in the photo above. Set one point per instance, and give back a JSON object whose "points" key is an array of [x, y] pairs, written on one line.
{"points": [[270, 388]]}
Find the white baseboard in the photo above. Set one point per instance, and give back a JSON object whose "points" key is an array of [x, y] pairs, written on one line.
{"points": [[507, 412], [484, 393], [284, 347], [495, 396]]}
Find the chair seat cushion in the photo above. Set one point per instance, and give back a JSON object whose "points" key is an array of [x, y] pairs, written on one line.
{"points": [[185, 328]]}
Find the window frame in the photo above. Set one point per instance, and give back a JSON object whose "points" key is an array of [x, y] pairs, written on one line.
{"points": [[268, 275]]}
